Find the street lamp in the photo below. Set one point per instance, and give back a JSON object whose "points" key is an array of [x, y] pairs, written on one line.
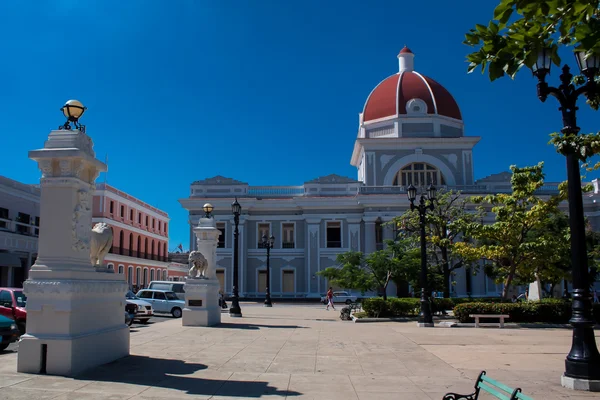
{"points": [[235, 310], [208, 210], [268, 244], [583, 361], [73, 110], [425, 317]]}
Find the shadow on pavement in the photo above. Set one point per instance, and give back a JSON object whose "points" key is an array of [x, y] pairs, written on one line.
{"points": [[167, 374], [256, 326]]}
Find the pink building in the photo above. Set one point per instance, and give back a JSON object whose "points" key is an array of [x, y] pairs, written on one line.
{"points": [[140, 236]]}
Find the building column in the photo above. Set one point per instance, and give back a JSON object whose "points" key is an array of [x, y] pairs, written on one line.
{"points": [[370, 245], [312, 259], [10, 277], [243, 252]]}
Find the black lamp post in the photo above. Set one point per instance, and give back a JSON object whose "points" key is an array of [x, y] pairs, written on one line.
{"points": [[235, 310], [583, 361], [268, 244], [425, 317]]}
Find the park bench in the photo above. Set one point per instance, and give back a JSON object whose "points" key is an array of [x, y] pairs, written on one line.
{"points": [[499, 316], [346, 312], [495, 388]]}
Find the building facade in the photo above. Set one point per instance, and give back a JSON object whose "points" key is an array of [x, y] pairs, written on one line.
{"points": [[140, 236], [410, 131], [19, 230]]}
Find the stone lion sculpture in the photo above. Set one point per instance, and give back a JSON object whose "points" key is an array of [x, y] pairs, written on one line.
{"points": [[102, 238], [198, 265]]}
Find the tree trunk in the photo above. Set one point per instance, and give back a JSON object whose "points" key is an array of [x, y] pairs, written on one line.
{"points": [[507, 283], [446, 272]]}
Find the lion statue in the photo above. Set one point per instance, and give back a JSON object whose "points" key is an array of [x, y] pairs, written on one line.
{"points": [[102, 238], [198, 265]]}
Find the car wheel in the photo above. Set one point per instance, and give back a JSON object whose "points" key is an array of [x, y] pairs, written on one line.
{"points": [[176, 312], [144, 321], [3, 346], [130, 322], [22, 328], [348, 301]]}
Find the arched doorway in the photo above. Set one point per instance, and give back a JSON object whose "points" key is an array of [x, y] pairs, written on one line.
{"points": [[419, 175]]}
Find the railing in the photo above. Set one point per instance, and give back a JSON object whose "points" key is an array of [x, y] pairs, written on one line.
{"points": [[20, 228], [276, 191], [288, 245], [333, 244], [136, 254], [550, 188]]}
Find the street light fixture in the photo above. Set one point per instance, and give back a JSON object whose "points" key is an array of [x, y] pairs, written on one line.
{"points": [[425, 203], [582, 364], [73, 110], [208, 210], [235, 310], [268, 244]]}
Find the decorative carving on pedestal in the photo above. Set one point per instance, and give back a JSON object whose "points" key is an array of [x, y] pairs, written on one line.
{"points": [[65, 167], [57, 288], [46, 167], [101, 241], [81, 233], [198, 265]]}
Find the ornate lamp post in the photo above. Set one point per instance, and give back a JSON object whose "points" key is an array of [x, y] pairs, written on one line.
{"points": [[235, 310], [73, 110], [208, 210], [425, 317], [583, 361], [268, 244]]}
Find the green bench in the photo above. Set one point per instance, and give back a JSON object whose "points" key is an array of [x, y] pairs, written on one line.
{"points": [[495, 388]]}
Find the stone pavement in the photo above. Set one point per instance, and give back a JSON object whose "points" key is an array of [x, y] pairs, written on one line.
{"points": [[306, 352]]}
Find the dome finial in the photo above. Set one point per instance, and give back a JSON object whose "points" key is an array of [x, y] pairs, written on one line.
{"points": [[406, 60]]}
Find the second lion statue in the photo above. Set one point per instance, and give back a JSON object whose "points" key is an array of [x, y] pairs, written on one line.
{"points": [[198, 265], [101, 241]]}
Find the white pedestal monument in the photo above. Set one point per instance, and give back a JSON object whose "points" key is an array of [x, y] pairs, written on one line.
{"points": [[75, 311], [202, 286], [535, 290]]}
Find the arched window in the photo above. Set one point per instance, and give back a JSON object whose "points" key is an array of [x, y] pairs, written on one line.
{"points": [[151, 275], [159, 250], [131, 245], [130, 276], [153, 257], [164, 274], [121, 242], [139, 247], [165, 254], [145, 282], [419, 174], [138, 277], [110, 266], [121, 269], [146, 248]]}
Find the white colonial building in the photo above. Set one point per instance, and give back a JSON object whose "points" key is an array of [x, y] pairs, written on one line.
{"points": [[410, 131]]}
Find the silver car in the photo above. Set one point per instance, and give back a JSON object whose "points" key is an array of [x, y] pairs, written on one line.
{"points": [[341, 297], [144, 308], [163, 301]]}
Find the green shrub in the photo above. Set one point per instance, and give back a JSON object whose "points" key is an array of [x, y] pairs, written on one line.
{"points": [[378, 308], [549, 311]]}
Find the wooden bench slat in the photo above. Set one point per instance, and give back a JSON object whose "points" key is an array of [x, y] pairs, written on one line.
{"points": [[523, 397], [493, 391], [501, 385]]}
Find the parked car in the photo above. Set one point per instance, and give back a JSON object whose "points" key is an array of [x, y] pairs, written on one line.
{"points": [[163, 301], [9, 332], [144, 309], [340, 297], [12, 305], [169, 286]]}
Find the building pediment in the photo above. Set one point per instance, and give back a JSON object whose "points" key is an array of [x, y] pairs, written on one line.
{"points": [[219, 180], [333, 178]]}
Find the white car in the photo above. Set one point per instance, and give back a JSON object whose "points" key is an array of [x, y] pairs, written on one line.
{"points": [[341, 297], [163, 301], [144, 312]]}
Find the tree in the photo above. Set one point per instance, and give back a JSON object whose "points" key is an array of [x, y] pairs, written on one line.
{"points": [[445, 226], [520, 29], [374, 270], [511, 243]]}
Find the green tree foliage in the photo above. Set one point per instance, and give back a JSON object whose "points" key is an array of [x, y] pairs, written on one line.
{"points": [[400, 260], [520, 29], [445, 226], [522, 241]]}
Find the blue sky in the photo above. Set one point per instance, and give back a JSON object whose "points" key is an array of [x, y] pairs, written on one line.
{"points": [[267, 92]]}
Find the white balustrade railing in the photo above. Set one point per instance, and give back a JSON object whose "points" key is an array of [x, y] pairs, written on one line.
{"points": [[276, 191]]}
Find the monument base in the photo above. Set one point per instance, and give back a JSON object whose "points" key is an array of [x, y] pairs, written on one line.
{"points": [[580, 384], [73, 324], [201, 303]]}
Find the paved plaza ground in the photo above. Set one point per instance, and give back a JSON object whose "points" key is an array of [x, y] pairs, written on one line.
{"points": [[306, 352]]}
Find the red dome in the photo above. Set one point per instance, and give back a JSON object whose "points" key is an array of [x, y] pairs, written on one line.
{"points": [[389, 98]]}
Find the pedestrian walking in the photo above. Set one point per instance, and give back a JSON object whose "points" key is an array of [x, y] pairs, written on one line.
{"points": [[330, 299]]}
